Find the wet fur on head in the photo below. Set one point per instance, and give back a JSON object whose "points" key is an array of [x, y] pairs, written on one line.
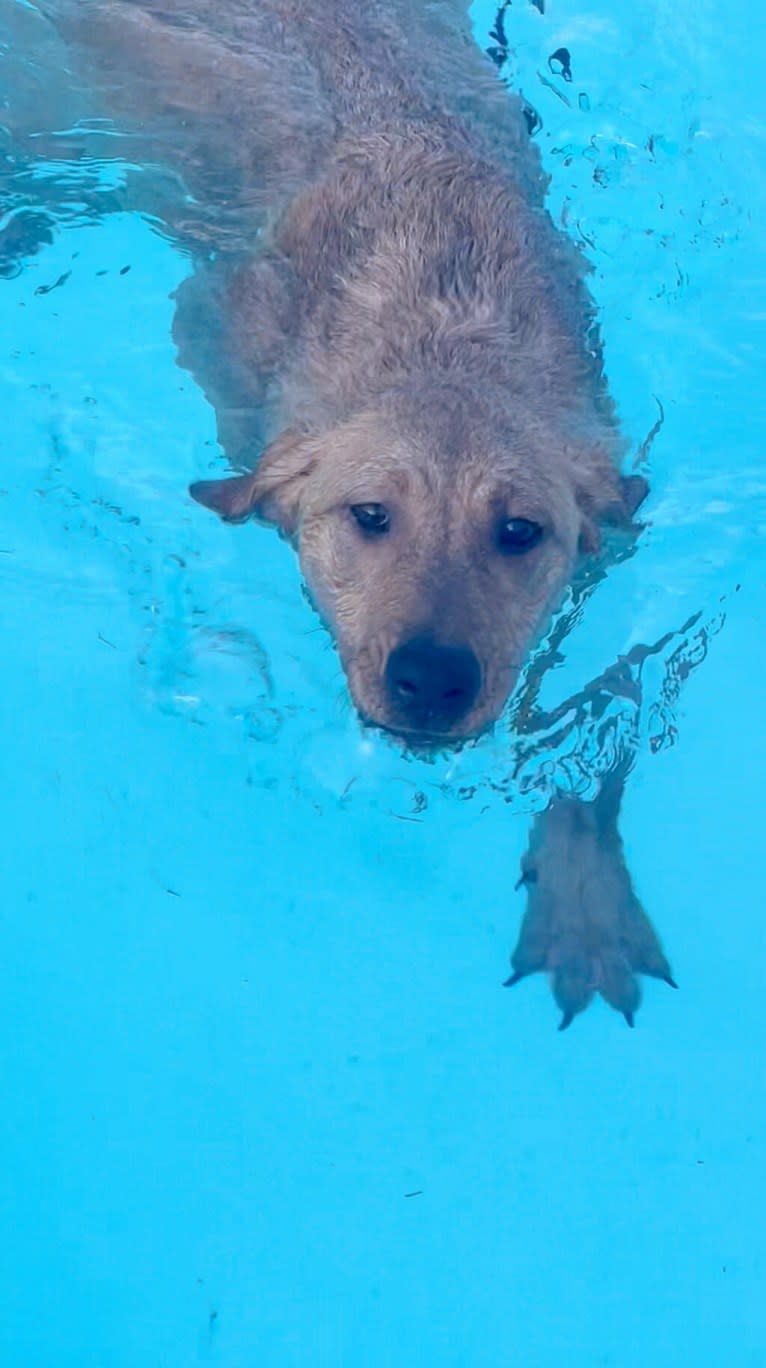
{"points": [[449, 466]]}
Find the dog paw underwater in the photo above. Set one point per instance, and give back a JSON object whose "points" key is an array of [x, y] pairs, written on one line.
{"points": [[584, 925]]}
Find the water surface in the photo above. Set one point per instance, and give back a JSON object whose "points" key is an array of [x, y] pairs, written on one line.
{"points": [[265, 1101]]}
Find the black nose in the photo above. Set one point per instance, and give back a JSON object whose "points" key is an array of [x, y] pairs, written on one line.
{"points": [[432, 686]]}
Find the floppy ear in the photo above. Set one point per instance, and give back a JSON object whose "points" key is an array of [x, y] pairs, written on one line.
{"points": [[612, 500], [634, 489], [272, 491], [232, 499]]}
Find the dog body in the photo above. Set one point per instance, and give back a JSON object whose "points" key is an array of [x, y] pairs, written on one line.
{"points": [[412, 330], [401, 352], [399, 325]]}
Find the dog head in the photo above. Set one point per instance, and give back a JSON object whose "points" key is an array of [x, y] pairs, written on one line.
{"points": [[436, 533]]}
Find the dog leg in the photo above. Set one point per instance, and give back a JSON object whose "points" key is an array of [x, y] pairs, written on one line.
{"points": [[584, 924]]}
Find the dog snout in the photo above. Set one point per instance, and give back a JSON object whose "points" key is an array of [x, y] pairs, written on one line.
{"points": [[430, 687]]}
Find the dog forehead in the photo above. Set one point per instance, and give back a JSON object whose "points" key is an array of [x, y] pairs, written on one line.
{"points": [[477, 438], [436, 490], [436, 446], [443, 417]]}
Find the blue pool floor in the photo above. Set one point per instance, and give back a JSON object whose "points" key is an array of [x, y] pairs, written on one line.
{"points": [[264, 1099]]}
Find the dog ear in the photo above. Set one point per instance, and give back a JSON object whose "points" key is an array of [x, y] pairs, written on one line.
{"points": [[271, 492], [232, 499], [633, 489], [611, 499]]}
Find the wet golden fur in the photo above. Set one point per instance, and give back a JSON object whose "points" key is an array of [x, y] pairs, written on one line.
{"points": [[381, 311], [391, 316]]}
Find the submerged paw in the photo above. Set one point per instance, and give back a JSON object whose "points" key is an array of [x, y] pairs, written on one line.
{"points": [[584, 925]]}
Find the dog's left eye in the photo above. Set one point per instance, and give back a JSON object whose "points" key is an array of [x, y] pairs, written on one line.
{"points": [[372, 517], [517, 535]]}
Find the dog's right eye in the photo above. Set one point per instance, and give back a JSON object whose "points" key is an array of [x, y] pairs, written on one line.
{"points": [[372, 517]]}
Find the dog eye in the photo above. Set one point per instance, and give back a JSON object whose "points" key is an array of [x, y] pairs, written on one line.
{"points": [[372, 517], [517, 535]]}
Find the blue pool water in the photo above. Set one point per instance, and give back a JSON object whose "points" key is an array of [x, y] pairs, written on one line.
{"points": [[264, 1099]]}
